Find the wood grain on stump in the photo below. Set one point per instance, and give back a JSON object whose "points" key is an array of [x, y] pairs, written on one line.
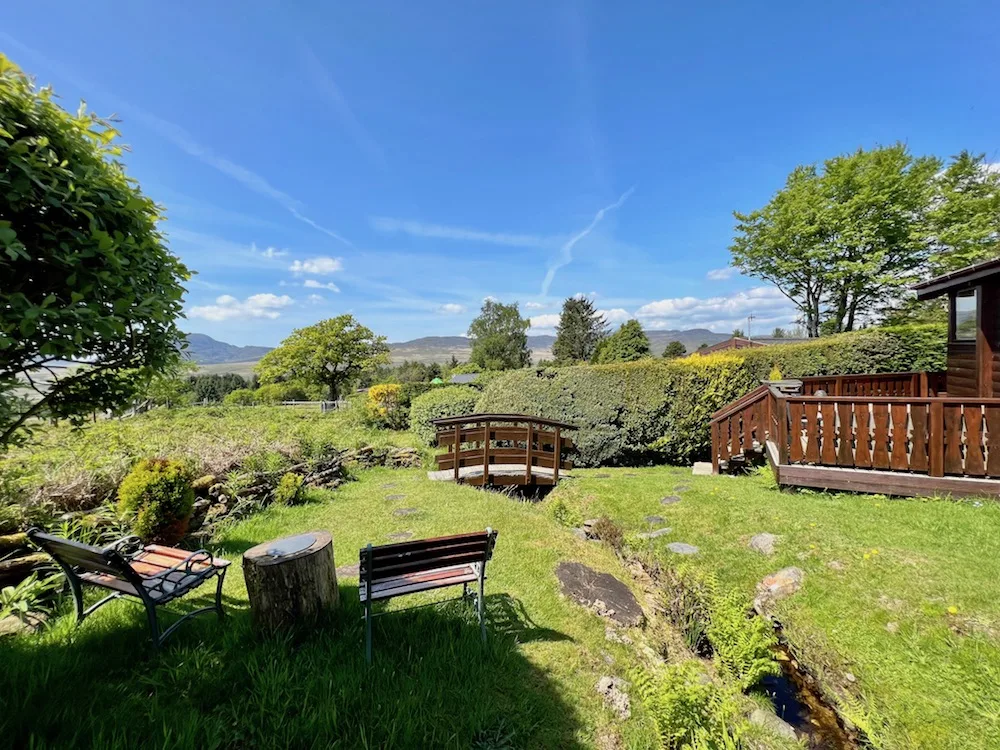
{"points": [[291, 581]]}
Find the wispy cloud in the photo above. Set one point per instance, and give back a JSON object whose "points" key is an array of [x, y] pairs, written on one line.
{"points": [[320, 266], [271, 253], [451, 308], [313, 284], [566, 251], [228, 307], [544, 322], [616, 316], [534, 306], [389, 225], [720, 274]]}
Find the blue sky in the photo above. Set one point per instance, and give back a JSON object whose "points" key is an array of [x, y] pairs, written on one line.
{"points": [[402, 161]]}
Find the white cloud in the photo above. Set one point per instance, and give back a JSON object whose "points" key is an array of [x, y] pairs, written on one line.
{"points": [[545, 322], [315, 298], [228, 307], [720, 274], [616, 316], [566, 251], [313, 284], [489, 298], [534, 306], [438, 231], [769, 306], [318, 266], [451, 308], [271, 253]]}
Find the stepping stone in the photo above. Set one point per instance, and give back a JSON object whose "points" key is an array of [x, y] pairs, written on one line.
{"points": [[601, 476], [348, 571], [394, 497], [681, 488], [655, 519], [601, 591], [580, 534], [658, 533], [401, 536], [777, 586], [389, 485], [670, 500], [702, 469], [681, 548], [630, 474], [406, 512], [763, 543]]}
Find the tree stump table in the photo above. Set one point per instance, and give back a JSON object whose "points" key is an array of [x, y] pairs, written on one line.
{"points": [[292, 580]]}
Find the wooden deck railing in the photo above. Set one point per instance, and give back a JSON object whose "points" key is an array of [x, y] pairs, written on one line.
{"points": [[896, 384], [496, 443], [742, 426]]}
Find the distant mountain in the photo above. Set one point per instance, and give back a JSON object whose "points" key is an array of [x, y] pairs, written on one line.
{"points": [[204, 350]]}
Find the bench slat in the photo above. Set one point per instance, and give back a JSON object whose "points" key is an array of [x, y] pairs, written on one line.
{"points": [[420, 582], [390, 550], [407, 567]]}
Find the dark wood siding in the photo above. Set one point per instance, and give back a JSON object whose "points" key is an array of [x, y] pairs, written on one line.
{"points": [[962, 368]]}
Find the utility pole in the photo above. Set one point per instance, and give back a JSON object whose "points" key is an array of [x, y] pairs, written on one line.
{"points": [[750, 318]]}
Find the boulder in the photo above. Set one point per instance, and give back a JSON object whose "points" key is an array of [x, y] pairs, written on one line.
{"points": [[763, 543], [682, 548], [613, 691], [777, 586], [600, 591], [773, 723]]}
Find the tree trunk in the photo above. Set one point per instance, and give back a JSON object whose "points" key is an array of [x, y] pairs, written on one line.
{"points": [[16, 569], [291, 581]]}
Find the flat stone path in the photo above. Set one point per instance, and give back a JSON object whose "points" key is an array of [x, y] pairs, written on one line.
{"points": [[400, 512], [655, 519], [401, 536], [670, 500], [601, 591], [682, 548], [655, 534], [394, 497]]}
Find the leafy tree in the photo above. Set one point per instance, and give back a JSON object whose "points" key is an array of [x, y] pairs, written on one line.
{"points": [[330, 353], [779, 333], [627, 344], [965, 218], [674, 350], [499, 338], [702, 345], [738, 333], [580, 328], [842, 242], [89, 293], [213, 387]]}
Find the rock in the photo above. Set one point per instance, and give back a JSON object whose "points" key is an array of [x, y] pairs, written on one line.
{"points": [[681, 548], [670, 500], [681, 488], [202, 485], [590, 522], [610, 634], [836, 565], [401, 512], [601, 476], [770, 721], [849, 676], [893, 605], [892, 627], [32, 622], [655, 534], [394, 497], [216, 489], [602, 591], [198, 513], [580, 533], [763, 543], [615, 697], [655, 519], [702, 469], [608, 658], [389, 485], [348, 571], [401, 536], [10, 542], [777, 586]]}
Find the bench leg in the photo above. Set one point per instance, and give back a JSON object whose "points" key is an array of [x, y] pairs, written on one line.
{"points": [[77, 590], [368, 630], [218, 594], [154, 625], [479, 602]]}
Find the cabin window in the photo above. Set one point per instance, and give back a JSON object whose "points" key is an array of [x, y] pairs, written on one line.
{"points": [[964, 316]]}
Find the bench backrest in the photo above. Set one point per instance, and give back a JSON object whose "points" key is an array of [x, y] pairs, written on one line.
{"points": [[391, 560], [77, 555]]}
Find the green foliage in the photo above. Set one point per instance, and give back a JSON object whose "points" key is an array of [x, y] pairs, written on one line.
{"points": [[240, 397], [499, 337], [775, 373], [33, 594], [213, 387], [738, 333], [275, 393], [329, 353], [779, 333], [609, 532], [965, 220], [384, 406], [674, 350], [159, 493], [87, 276], [451, 401], [406, 372], [580, 328], [743, 643], [628, 344], [289, 489], [563, 513]]}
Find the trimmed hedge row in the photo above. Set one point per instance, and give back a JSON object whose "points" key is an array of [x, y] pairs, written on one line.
{"points": [[656, 410], [448, 401]]}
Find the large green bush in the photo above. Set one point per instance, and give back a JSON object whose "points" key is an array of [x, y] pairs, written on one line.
{"points": [[452, 401], [158, 491], [656, 410]]}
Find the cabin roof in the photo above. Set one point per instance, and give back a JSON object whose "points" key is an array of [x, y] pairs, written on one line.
{"points": [[963, 278]]}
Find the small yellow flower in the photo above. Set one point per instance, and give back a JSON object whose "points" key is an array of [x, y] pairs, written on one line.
{"points": [[874, 551], [812, 526], [867, 556], [952, 610], [812, 546]]}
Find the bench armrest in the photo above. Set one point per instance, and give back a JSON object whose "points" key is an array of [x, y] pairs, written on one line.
{"points": [[201, 557], [127, 547]]}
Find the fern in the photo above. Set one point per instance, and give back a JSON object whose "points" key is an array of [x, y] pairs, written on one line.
{"points": [[743, 645]]}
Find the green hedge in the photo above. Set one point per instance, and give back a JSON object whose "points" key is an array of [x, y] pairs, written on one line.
{"points": [[656, 410], [449, 401]]}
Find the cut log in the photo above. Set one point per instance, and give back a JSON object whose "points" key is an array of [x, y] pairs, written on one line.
{"points": [[9, 542], [16, 569], [291, 581]]}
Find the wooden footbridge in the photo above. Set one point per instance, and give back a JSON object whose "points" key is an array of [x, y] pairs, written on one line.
{"points": [[502, 449]]}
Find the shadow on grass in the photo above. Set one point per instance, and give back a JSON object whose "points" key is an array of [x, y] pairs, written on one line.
{"points": [[433, 683]]}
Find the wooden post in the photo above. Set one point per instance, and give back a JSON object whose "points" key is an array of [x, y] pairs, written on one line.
{"points": [[528, 453], [458, 443], [781, 413], [715, 447], [558, 458], [486, 453], [924, 386], [935, 442]]}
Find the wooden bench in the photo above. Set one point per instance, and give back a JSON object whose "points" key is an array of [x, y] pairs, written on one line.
{"points": [[154, 574], [393, 570]]}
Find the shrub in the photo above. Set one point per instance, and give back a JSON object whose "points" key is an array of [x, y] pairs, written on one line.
{"points": [[563, 513], [158, 491], [452, 401], [240, 397], [289, 489], [743, 644], [609, 532], [383, 406], [275, 393]]}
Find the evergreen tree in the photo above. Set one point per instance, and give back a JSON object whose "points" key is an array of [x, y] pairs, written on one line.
{"points": [[580, 328], [499, 338], [627, 344], [674, 350]]}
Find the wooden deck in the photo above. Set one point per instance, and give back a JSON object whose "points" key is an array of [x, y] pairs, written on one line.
{"points": [[887, 433], [502, 449]]}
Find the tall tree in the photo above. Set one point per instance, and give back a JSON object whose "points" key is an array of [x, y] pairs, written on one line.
{"points": [[580, 328], [674, 350], [330, 353], [627, 344], [964, 221], [738, 333], [89, 293], [499, 337], [842, 243]]}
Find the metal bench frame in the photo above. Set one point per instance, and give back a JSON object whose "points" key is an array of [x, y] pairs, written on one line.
{"points": [[431, 565], [78, 560]]}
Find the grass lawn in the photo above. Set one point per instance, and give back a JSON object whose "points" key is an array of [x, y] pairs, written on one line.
{"points": [[432, 683], [929, 567]]}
